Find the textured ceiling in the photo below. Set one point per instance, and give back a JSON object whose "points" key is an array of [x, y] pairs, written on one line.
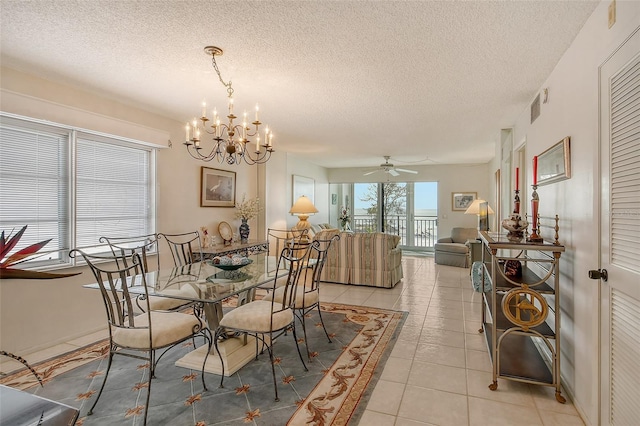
{"points": [[342, 83]]}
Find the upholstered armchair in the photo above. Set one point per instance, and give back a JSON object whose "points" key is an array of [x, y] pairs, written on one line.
{"points": [[454, 250]]}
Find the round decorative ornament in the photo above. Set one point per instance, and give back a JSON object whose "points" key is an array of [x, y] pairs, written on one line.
{"points": [[516, 226]]}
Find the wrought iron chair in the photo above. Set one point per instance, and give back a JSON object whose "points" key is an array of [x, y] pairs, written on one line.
{"points": [[144, 245], [266, 319], [307, 294], [130, 333], [183, 246], [278, 239]]}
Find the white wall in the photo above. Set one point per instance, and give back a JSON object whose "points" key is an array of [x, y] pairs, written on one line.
{"points": [[572, 110], [450, 178], [38, 314]]}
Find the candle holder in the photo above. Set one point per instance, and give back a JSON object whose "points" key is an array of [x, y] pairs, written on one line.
{"points": [[534, 237], [515, 224]]}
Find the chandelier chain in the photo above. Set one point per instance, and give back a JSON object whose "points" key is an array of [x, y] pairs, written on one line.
{"points": [[227, 85]]}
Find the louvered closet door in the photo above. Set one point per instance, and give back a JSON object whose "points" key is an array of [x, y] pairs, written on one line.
{"points": [[620, 215]]}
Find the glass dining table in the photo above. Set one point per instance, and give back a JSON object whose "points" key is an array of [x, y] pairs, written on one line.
{"points": [[210, 285]]}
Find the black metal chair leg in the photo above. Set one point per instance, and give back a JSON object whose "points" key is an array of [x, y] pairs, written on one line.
{"points": [[322, 322], [106, 375], [295, 338]]}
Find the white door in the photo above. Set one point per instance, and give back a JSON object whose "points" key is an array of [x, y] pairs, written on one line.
{"points": [[620, 234]]}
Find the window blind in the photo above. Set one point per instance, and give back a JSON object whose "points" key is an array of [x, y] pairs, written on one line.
{"points": [[34, 184], [112, 190]]}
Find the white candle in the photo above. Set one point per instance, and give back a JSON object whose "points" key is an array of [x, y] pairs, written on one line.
{"points": [[186, 128], [204, 109], [271, 139], [230, 105], [217, 127], [257, 109]]}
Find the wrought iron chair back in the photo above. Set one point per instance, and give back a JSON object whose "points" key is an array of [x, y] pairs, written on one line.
{"points": [[182, 246], [278, 239], [123, 248], [134, 334], [267, 319]]}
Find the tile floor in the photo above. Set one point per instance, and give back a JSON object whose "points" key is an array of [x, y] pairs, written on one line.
{"points": [[439, 369]]}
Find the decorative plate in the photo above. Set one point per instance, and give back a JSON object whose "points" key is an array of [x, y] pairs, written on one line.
{"points": [[225, 231]]}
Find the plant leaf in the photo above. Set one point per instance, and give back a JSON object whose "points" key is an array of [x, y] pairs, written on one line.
{"points": [[9, 245], [24, 253], [7, 273]]}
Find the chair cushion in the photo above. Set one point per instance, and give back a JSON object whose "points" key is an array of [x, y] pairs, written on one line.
{"points": [[157, 303], [302, 299], [256, 316], [451, 248], [167, 328]]}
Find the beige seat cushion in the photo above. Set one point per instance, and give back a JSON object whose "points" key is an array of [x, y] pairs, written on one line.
{"points": [[256, 316], [158, 303], [302, 299], [167, 328]]}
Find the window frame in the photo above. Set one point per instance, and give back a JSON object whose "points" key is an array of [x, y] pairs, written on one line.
{"points": [[75, 133]]}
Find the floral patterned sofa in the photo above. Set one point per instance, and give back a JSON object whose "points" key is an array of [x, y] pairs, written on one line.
{"points": [[371, 259]]}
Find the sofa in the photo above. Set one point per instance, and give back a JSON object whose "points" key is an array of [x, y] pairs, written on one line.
{"points": [[454, 250], [359, 258]]}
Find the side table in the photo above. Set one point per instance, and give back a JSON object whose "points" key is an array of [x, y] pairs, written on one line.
{"points": [[245, 249]]}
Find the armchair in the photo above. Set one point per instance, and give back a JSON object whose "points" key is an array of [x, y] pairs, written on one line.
{"points": [[454, 250]]}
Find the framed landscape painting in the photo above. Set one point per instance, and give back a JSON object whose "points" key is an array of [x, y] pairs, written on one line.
{"points": [[217, 188], [460, 201]]}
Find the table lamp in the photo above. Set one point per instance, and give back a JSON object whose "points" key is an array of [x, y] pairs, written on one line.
{"points": [[303, 207], [481, 209]]}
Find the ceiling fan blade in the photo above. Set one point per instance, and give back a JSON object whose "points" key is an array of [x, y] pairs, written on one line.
{"points": [[407, 171], [370, 173], [393, 172]]}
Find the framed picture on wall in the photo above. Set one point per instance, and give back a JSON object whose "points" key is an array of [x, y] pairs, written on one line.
{"points": [[554, 164], [217, 188], [460, 201], [303, 186]]}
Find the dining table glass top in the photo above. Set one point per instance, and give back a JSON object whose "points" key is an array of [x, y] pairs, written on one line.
{"points": [[203, 281]]}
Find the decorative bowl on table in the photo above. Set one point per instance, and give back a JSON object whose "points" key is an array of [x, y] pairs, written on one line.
{"points": [[230, 263]]}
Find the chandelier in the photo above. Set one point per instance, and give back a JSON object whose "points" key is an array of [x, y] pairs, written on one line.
{"points": [[231, 142]]}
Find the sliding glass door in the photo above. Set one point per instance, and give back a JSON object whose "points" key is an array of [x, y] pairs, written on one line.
{"points": [[407, 209]]}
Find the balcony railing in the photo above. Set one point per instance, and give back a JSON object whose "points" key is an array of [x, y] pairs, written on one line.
{"points": [[424, 235]]}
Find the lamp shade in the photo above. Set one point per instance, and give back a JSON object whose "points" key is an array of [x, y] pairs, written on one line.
{"points": [[303, 206], [474, 208]]}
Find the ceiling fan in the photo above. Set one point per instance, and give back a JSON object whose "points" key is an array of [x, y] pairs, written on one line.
{"points": [[389, 168]]}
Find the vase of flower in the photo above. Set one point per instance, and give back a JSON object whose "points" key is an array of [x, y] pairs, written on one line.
{"points": [[244, 231], [344, 219]]}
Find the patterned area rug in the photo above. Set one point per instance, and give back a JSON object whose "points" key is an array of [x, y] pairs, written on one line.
{"points": [[333, 392]]}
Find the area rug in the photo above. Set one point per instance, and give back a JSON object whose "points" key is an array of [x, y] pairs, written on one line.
{"points": [[334, 391]]}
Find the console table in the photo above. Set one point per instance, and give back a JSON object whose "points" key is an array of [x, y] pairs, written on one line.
{"points": [[521, 314], [245, 249]]}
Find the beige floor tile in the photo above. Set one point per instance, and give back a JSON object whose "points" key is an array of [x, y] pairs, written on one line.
{"points": [[410, 333], [396, 370], [351, 299], [400, 421], [89, 339], [508, 391], [404, 349], [545, 400], [444, 323], [476, 341], [371, 418], [479, 360], [438, 336], [414, 320], [386, 397], [407, 299], [416, 309], [433, 406], [549, 418], [439, 377], [438, 354], [437, 302], [438, 311], [483, 412]]}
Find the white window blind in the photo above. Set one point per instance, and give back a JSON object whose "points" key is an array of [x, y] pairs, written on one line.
{"points": [[113, 191], [72, 186], [34, 184]]}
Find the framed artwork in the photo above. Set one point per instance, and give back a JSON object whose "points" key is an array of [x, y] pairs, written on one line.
{"points": [[460, 201], [334, 199], [554, 164], [303, 186], [217, 188]]}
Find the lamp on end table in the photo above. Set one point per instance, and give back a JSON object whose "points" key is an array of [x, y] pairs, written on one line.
{"points": [[482, 209], [303, 207]]}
